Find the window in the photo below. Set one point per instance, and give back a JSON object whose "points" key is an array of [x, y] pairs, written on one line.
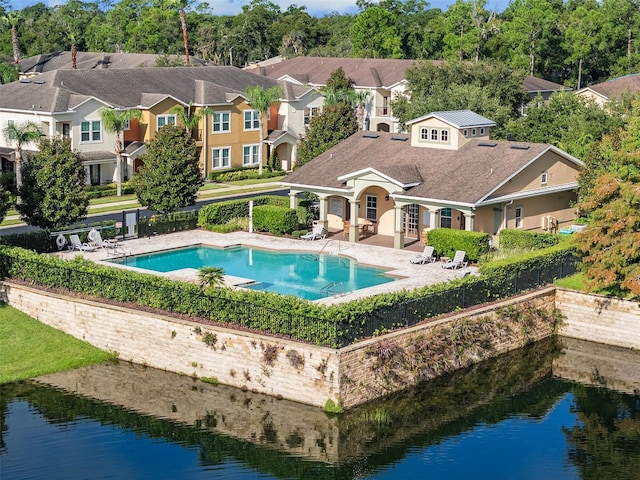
{"points": [[250, 155], [309, 113], [91, 131], [127, 125], [518, 217], [11, 122], [434, 135], [221, 157], [372, 208], [482, 131], [445, 218], [465, 132], [221, 122], [473, 132], [424, 134], [251, 120], [544, 177], [444, 135], [163, 120]]}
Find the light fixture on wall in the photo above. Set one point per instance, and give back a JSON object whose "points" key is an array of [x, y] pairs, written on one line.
{"points": [[386, 198]]}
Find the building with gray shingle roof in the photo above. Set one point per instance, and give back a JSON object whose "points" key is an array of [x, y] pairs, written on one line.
{"points": [[612, 89], [440, 175]]}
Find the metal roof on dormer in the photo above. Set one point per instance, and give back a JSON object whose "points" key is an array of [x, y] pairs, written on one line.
{"points": [[458, 119]]}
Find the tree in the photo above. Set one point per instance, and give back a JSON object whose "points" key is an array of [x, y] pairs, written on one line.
{"points": [[181, 5], [21, 134], [189, 117], [115, 122], [374, 34], [261, 100], [335, 123], [13, 19], [53, 192], [609, 245], [581, 37], [170, 176], [211, 277], [8, 73]]}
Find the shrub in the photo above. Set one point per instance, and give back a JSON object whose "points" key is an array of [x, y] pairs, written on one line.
{"points": [[513, 239], [106, 190], [236, 174], [221, 212], [274, 219], [446, 241]]}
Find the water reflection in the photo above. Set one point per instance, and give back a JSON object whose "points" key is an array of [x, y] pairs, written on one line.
{"points": [[447, 422]]}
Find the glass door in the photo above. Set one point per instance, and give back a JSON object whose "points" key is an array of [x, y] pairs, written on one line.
{"points": [[410, 220]]}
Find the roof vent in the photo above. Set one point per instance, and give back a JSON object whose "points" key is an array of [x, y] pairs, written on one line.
{"points": [[520, 147], [25, 80], [39, 82], [400, 139], [487, 144], [370, 135]]}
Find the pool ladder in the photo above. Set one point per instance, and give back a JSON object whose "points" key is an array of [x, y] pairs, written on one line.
{"points": [[332, 289]]}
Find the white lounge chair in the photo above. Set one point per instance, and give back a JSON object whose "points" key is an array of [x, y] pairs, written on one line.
{"points": [[317, 233], [76, 244], [425, 257], [458, 261], [95, 240]]}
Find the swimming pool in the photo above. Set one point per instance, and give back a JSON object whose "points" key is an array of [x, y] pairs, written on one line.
{"points": [[287, 273]]}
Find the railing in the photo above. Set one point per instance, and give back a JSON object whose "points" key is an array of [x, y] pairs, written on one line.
{"points": [[383, 111], [332, 289], [161, 224]]}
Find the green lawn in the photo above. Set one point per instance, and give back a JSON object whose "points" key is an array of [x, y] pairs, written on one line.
{"points": [[29, 348], [574, 282]]}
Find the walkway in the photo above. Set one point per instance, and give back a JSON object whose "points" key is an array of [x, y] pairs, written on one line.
{"points": [[395, 261]]}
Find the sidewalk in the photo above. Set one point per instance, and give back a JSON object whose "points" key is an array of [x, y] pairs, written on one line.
{"points": [[224, 191]]}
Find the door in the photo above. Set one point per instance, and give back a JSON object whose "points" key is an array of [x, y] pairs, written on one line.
{"points": [[94, 174], [410, 220]]}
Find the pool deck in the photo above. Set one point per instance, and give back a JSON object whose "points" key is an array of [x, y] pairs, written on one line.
{"points": [[396, 262]]}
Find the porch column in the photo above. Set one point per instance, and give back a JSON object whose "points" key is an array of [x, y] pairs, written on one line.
{"points": [[324, 204], [293, 199], [469, 221], [398, 234], [433, 218], [354, 228]]}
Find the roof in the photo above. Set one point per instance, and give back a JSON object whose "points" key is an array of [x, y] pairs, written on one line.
{"points": [[49, 62], [61, 90], [365, 72], [465, 176], [458, 119], [616, 87]]}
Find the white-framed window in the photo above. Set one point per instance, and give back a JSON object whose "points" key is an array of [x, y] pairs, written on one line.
{"points": [[434, 134], [518, 217], [444, 135], [221, 157], [473, 132], [250, 155], [465, 132], [221, 122], [251, 119], [163, 120], [424, 133], [544, 177], [90, 131], [445, 218], [482, 131], [309, 113], [11, 122], [372, 208], [127, 125]]}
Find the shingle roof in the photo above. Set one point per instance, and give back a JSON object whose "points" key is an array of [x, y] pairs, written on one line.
{"points": [[467, 175], [615, 87], [57, 91], [535, 84]]}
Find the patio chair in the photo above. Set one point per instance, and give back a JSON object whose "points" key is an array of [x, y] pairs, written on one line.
{"points": [[425, 257], [76, 244], [95, 240], [317, 233], [458, 261]]}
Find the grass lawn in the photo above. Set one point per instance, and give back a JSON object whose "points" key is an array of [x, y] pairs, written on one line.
{"points": [[29, 348], [574, 282]]}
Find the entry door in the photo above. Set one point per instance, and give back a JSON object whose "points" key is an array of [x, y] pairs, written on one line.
{"points": [[94, 173], [410, 220]]}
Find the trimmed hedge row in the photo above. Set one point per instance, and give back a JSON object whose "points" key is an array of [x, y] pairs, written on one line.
{"points": [[108, 190], [274, 219], [446, 241], [520, 239], [221, 212], [242, 174]]}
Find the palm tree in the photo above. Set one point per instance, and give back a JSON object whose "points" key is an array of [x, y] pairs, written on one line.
{"points": [[261, 100], [115, 122], [360, 100], [12, 19], [181, 5], [211, 277], [190, 118], [21, 134]]}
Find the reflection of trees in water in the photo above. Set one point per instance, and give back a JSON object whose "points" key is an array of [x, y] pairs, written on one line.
{"points": [[606, 443]]}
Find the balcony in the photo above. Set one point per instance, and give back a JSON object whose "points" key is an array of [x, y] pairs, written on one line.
{"points": [[383, 111]]}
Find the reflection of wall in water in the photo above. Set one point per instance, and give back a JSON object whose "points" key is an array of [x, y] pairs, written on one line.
{"points": [[288, 426]]}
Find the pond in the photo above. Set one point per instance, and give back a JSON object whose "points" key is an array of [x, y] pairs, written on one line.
{"points": [[510, 417]]}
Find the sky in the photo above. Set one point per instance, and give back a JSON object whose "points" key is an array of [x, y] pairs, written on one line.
{"points": [[314, 7]]}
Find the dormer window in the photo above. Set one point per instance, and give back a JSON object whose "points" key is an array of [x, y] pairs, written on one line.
{"points": [[544, 178], [424, 134], [473, 132], [482, 131], [434, 134], [465, 132], [444, 135]]}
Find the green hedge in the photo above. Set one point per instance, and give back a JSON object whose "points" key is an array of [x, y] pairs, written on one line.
{"points": [[446, 241], [221, 212], [107, 190], [520, 239], [170, 223], [274, 219], [242, 174]]}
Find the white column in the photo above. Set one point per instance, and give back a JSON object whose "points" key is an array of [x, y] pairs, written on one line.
{"points": [[354, 228], [293, 199], [398, 234], [469, 221], [324, 210]]}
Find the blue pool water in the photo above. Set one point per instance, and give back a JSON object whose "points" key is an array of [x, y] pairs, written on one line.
{"points": [[287, 273]]}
